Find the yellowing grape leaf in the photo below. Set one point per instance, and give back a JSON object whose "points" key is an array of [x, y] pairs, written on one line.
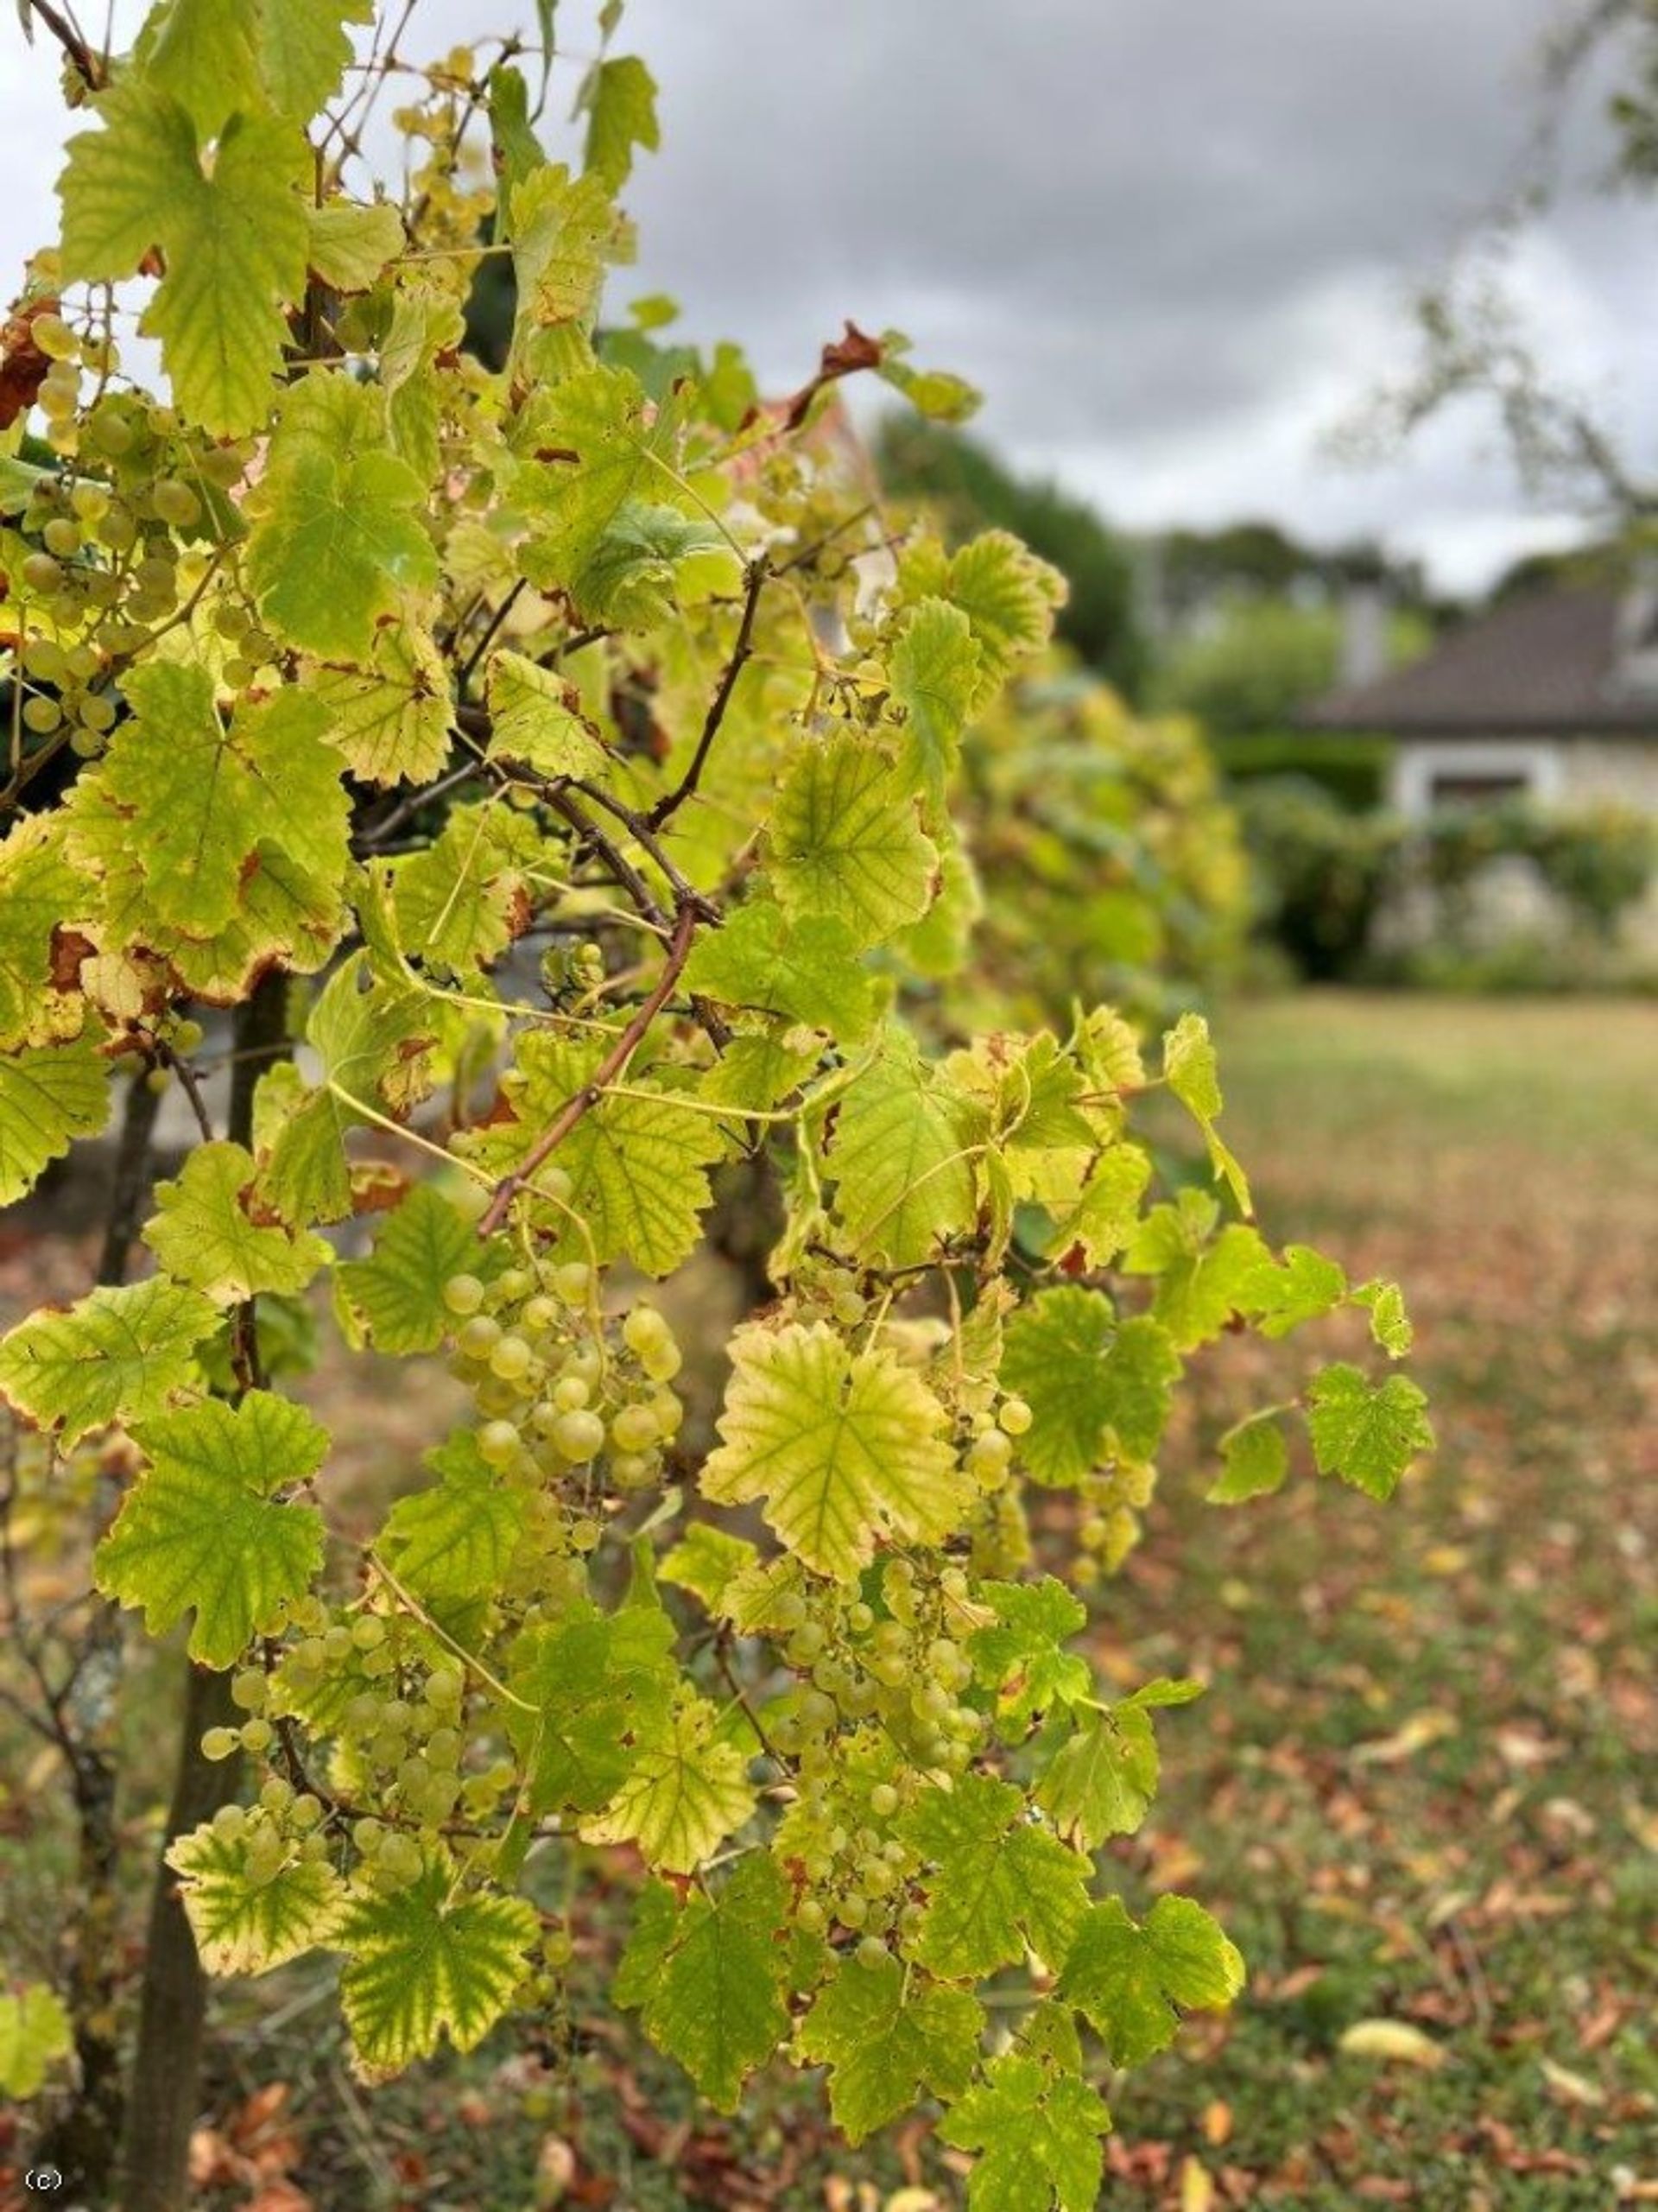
{"points": [[456, 1539], [538, 718], [805, 970], [34, 2033], [395, 1296], [620, 97], [204, 1529], [245, 1920], [688, 1791], [428, 1961], [935, 678], [601, 1684], [846, 842], [842, 1447], [337, 538], [117, 1355], [234, 239], [49, 1095], [391, 716], [901, 1151], [209, 1231]]}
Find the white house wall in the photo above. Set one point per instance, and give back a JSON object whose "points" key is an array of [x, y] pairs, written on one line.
{"points": [[1419, 763]]}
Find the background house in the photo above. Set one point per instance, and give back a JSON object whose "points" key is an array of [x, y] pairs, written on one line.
{"points": [[1552, 697]]}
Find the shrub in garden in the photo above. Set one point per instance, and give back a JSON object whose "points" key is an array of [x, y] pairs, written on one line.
{"points": [[535, 730]]}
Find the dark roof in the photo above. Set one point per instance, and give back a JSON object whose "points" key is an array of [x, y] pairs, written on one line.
{"points": [[1549, 662]]}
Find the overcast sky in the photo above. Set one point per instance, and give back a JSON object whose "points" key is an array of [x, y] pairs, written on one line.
{"points": [[1172, 240]]}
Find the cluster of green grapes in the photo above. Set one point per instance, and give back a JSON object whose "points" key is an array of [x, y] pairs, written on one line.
{"points": [[564, 1392], [109, 532], [1112, 1500], [881, 1695], [394, 1708]]}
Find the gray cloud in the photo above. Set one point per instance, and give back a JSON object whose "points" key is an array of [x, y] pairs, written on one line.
{"points": [[1171, 239]]}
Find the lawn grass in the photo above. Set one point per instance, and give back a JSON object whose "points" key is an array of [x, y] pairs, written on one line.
{"points": [[1418, 1794]]}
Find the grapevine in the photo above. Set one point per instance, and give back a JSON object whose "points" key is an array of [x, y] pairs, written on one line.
{"points": [[563, 756]]}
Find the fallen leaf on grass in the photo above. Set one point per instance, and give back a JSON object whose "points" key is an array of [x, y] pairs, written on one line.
{"points": [[1574, 2088], [1421, 1729], [1393, 2041], [1197, 2189]]}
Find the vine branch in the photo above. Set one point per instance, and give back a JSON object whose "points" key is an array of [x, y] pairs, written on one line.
{"points": [[582, 1102], [666, 808]]}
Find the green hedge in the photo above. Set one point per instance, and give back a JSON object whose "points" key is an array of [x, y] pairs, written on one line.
{"points": [[1352, 769]]}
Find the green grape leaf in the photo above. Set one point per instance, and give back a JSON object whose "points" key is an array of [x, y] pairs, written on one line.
{"points": [[305, 48], [1190, 1072], [350, 244], [34, 2034], [1106, 1210], [996, 1886], [247, 1921], [337, 538], [370, 1037], [207, 1232], [117, 1355], [49, 1095], [707, 1561], [600, 1683], [846, 842], [428, 1961], [1022, 1657], [1102, 1778], [900, 1152], [203, 1528], [621, 102], [841, 1446], [1255, 1461], [1366, 1435], [462, 900], [391, 716], [1201, 1284], [202, 799], [1389, 1323], [514, 150], [804, 970], [688, 1791], [1038, 2130], [537, 719], [395, 1296], [456, 1539], [707, 1975], [1009, 597], [38, 890], [1095, 1388], [638, 1165], [935, 678], [1128, 1980], [204, 54], [234, 240], [610, 464], [886, 2036], [561, 228], [1303, 1286]]}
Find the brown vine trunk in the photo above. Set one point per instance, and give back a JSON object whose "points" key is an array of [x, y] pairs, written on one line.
{"points": [[164, 2087], [83, 2142]]}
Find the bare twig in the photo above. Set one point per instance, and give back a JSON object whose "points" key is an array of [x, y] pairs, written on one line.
{"points": [[81, 58], [666, 808]]}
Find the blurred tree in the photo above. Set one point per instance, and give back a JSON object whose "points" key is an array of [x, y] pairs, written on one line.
{"points": [[1258, 661], [970, 490]]}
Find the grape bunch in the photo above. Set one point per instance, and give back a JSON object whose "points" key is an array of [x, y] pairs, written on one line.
{"points": [[566, 1395]]}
